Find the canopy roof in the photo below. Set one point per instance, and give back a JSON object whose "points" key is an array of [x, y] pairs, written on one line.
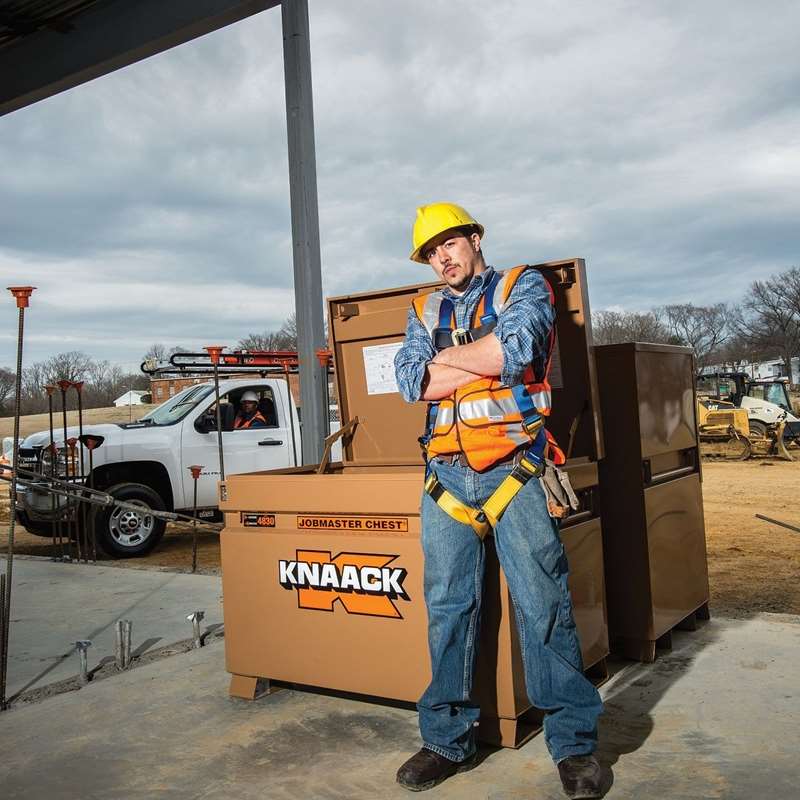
{"points": [[48, 46]]}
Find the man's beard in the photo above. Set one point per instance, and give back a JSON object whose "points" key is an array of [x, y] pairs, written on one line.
{"points": [[462, 282]]}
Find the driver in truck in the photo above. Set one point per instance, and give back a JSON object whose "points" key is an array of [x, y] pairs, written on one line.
{"points": [[249, 416], [478, 351]]}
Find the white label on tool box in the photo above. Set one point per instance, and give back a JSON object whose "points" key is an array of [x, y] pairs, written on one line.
{"points": [[379, 368]]}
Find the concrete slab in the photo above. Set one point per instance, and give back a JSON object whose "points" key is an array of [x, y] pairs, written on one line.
{"points": [[54, 605], [715, 718]]}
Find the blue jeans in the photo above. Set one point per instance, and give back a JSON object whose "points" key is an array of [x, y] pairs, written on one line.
{"points": [[533, 560]]}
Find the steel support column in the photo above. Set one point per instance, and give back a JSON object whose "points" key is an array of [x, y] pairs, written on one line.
{"points": [[305, 225]]}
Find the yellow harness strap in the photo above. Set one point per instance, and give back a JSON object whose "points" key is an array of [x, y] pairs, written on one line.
{"points": [[482, 520]]}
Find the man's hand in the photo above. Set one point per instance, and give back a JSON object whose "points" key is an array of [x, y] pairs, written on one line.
{"points": [[441, 381], [483, 358]]}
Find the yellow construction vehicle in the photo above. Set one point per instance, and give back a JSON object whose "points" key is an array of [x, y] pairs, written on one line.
{"points": [[724, 432]]}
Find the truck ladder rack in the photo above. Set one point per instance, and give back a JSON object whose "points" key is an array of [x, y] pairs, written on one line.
{"points": [[259, 362]]}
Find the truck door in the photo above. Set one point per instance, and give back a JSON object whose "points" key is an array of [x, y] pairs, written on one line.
{"points": [[244, 450]]}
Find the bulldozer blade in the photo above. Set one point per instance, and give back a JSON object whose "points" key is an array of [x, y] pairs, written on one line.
{"points": [[780, 445]]}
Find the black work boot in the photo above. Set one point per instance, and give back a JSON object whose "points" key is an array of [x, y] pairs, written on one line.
{"points": [[425, 769], [581, 777]]}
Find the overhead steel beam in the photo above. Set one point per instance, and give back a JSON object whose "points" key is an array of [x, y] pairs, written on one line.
{"points": [[106, 37], [305, 226]]}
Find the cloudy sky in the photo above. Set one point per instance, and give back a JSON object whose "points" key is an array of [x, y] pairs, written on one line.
{"points": [[660, 141]]}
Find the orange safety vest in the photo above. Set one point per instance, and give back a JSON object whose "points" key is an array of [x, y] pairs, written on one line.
{"points": [[485, 419], [240, 423]]}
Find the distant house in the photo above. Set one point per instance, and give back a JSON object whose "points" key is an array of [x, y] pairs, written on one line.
{"points": [[769, 368], [132, 398], [773, 368]]}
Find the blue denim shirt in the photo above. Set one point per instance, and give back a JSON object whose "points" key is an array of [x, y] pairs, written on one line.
{"points": [[522, 328]]}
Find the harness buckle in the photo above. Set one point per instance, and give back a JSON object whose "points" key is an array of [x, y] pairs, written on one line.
{"points": [[461, 336], [525, 469], [442, 338], [532, 428]]}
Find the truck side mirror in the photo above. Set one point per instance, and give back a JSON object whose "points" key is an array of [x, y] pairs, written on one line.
{"points": [[205, 423]]}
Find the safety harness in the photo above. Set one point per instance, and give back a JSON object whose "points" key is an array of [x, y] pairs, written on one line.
{"points": [[532, 462]]}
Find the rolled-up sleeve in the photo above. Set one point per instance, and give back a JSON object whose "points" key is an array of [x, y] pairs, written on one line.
{"points": [[524, 325], [412, 359]]}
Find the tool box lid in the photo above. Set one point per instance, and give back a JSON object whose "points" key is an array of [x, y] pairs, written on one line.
{"points": [[367, 329]]}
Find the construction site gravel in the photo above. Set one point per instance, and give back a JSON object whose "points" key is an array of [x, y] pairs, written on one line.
{"points": [[753, 565]]}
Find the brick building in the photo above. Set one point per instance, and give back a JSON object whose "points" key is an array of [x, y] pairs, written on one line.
{"points": [[164, 388]]}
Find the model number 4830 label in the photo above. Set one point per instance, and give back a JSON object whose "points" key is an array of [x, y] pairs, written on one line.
{"points": [[257, 520]]}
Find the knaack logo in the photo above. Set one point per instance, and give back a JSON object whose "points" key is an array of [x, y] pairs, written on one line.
{"points": [[364, 583]]}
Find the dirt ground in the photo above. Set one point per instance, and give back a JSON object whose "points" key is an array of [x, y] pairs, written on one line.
{"points": [[753, 565]]}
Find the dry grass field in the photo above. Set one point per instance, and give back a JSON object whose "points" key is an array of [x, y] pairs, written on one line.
{"points": [[753, 565], [91, 416]]}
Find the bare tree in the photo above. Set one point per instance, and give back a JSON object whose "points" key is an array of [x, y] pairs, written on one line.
{"points": [[615, 327], [160, 352], [157, 352], [71, 366], [7, 381], [103, 381], [283, 339], [703, 328], [289, 330], [769, 320]]}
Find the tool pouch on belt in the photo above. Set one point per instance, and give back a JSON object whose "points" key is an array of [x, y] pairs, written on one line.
{"points": [[558, 491]]}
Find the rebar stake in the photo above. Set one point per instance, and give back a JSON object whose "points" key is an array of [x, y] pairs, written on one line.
{"points": [[82, 645], [195, 469], [122, 647], [63, 386], [91, 442], [51, 448], [195, 618], [71, 443], [127, 633], [2, 616], [22, 296], [214, 353], [119, 653], [80, 511]]}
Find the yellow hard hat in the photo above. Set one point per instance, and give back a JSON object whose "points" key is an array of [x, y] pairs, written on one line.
{"points": [[435, 219]]}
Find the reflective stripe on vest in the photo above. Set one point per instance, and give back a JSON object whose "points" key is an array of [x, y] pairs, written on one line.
{"points": [[242, 424], [482, 420]]}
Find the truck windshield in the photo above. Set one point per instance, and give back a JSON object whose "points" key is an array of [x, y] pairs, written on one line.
{"points": [[772, 393], [176, 408]]}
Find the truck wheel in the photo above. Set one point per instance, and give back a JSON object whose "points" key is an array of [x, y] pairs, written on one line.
{"points": [[757, 429], [124, 533]]}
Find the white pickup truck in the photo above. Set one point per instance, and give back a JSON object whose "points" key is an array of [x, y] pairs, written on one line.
{"points": [[147, 462]]}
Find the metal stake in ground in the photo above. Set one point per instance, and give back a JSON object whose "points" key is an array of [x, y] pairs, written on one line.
{"points": [[195, 469], [53, 459], [127, 635], [71, 442], [196, 618], [80, 511], [213, 352], [122, 652], [22, 296], [63, 386], [91, 442], [2, 617], [82, 645]]}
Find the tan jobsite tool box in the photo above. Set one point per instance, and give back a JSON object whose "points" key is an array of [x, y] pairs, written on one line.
{"points": [[652, 505], [322, 566]]}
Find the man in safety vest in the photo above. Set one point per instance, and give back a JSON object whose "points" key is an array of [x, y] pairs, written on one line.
{"points": [[249, 416], [478, 352]]}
